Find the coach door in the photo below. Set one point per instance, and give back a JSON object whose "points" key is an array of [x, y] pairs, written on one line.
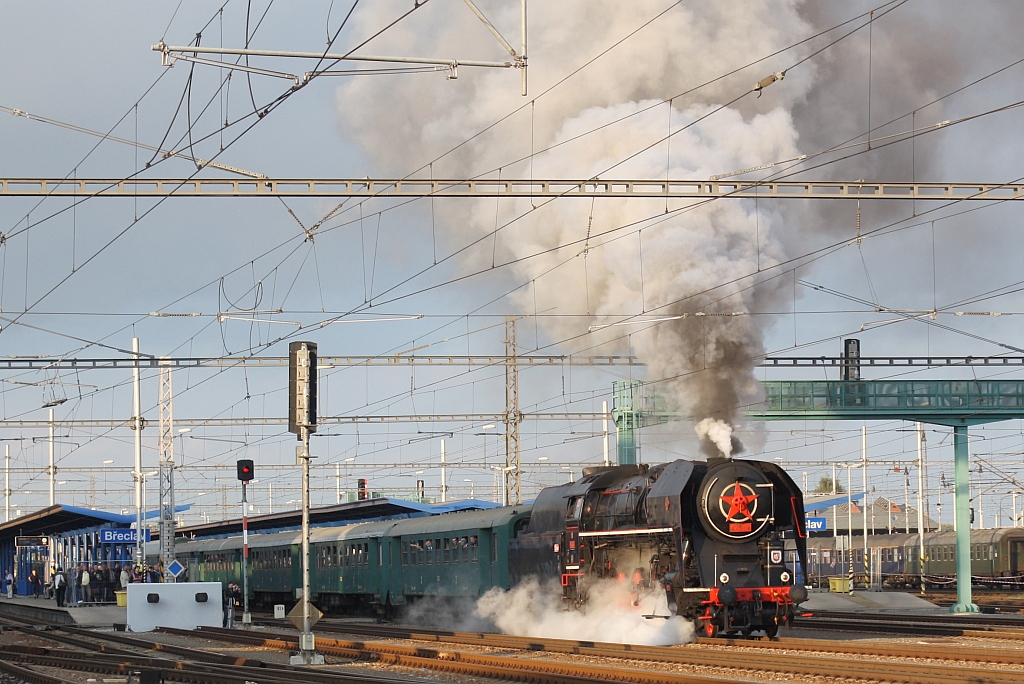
{"points": [[1016, 557]]}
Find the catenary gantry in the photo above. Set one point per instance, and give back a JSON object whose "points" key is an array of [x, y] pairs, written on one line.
{"points": [[531, 188]]}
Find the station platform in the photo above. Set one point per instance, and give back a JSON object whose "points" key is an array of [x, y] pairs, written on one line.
{"points": [[46, 609], [896, 602]]}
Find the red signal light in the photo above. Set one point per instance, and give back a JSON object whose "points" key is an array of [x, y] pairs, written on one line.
{"points": [[245, 470]]}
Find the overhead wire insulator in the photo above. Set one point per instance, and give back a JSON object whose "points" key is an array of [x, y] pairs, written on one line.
{"points": [[767, 81]]}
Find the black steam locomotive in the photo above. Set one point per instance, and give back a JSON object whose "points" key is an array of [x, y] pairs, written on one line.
{"points": [[708, 534]]}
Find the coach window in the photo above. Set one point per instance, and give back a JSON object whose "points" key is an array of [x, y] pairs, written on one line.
{"points": [[455, 549], [437, 552], [405, 552], [429, 549], [473, 544], [447, 551], [984, 552], [464, 543], [494, 547]]}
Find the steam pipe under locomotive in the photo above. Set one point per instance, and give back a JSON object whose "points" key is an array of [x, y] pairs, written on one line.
{"points": [[708, 534]]}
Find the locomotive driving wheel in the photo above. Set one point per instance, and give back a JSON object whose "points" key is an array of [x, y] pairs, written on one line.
{"points": [[771, 630], [710, 629]]}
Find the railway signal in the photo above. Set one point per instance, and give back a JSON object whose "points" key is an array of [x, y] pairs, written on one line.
{"points": [[302, 375], [245, 470]]}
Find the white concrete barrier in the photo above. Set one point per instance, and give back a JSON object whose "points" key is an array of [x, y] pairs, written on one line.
{"points": [[184, 605]]}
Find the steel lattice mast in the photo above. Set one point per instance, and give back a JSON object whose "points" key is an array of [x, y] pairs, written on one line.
{"points": [[166, 471], [512, 417]]}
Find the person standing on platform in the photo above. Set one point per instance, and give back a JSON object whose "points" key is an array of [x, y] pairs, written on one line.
{"points": [[9, 584], [112, 579], [86, 585], [125, 578], [60, 586], [35, 582], [76, 584]]}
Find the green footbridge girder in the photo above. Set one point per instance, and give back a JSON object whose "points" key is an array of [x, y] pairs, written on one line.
{"points": [[953, 403]]}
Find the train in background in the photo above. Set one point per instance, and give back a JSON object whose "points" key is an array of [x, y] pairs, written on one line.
{"points": [[709, 536], [997, 559]]}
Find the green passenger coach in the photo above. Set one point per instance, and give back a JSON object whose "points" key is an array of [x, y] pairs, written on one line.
{"points": [[374, 567]]}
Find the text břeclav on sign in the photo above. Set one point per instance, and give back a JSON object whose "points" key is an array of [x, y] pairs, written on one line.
{"points": [[119, 536]]}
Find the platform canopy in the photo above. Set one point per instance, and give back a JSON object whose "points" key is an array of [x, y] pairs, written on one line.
{"points": [[366, 510], [60, 518]]}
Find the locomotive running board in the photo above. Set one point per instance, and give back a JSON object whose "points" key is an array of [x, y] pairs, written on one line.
{"points": [[619, 533]]}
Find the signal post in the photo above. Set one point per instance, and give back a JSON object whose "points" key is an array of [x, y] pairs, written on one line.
{"points": [[302, 376], [246, 473]]}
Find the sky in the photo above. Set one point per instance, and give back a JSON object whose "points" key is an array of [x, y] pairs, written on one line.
{"points": [[642, 90]]}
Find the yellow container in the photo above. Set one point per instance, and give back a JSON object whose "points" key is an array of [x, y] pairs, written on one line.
{"points": [[839, 585], [122, 598]]}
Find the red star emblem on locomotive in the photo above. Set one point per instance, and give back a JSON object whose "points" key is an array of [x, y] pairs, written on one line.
{"points": [[739, 504]]}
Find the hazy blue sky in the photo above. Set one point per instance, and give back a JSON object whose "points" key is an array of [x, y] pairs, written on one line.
{"points": [[76, 279]]}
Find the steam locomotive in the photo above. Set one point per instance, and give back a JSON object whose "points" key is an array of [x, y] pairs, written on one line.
{"points": [[709, 534]]}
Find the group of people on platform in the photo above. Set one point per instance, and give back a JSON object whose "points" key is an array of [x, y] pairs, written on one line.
{"points": [[85, 583]]}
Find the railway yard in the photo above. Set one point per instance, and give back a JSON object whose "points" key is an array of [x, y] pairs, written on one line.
{"points": [[918, 650]]}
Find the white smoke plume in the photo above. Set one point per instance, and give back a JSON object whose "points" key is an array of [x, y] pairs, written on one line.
{"points": [[527, 610], [718, 432], [695, 265]]}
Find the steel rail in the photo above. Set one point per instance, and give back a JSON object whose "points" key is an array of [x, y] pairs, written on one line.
{"points": [[524, 188], [785, 663]]}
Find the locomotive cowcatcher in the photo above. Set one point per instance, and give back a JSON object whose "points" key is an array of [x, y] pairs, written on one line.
{"points": [[709, 534]]}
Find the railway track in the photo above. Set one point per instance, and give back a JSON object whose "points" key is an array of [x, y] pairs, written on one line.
{"points": [[947, 652], [667, 660], [728, 660], [1006, 628], [195, 666]]}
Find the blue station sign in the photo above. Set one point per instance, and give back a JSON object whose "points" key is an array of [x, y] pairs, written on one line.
{"points": [[119, 536], [816, 524]]}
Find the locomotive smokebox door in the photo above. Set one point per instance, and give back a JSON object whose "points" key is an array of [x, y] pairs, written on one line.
{"points": [[736, 502]]}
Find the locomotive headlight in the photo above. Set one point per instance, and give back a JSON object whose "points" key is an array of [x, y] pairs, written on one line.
{"points": [[724, 578], [784, 577]]}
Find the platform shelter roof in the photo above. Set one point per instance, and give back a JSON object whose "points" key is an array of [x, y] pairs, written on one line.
{"points": [[60, 518], [367, 510]]}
